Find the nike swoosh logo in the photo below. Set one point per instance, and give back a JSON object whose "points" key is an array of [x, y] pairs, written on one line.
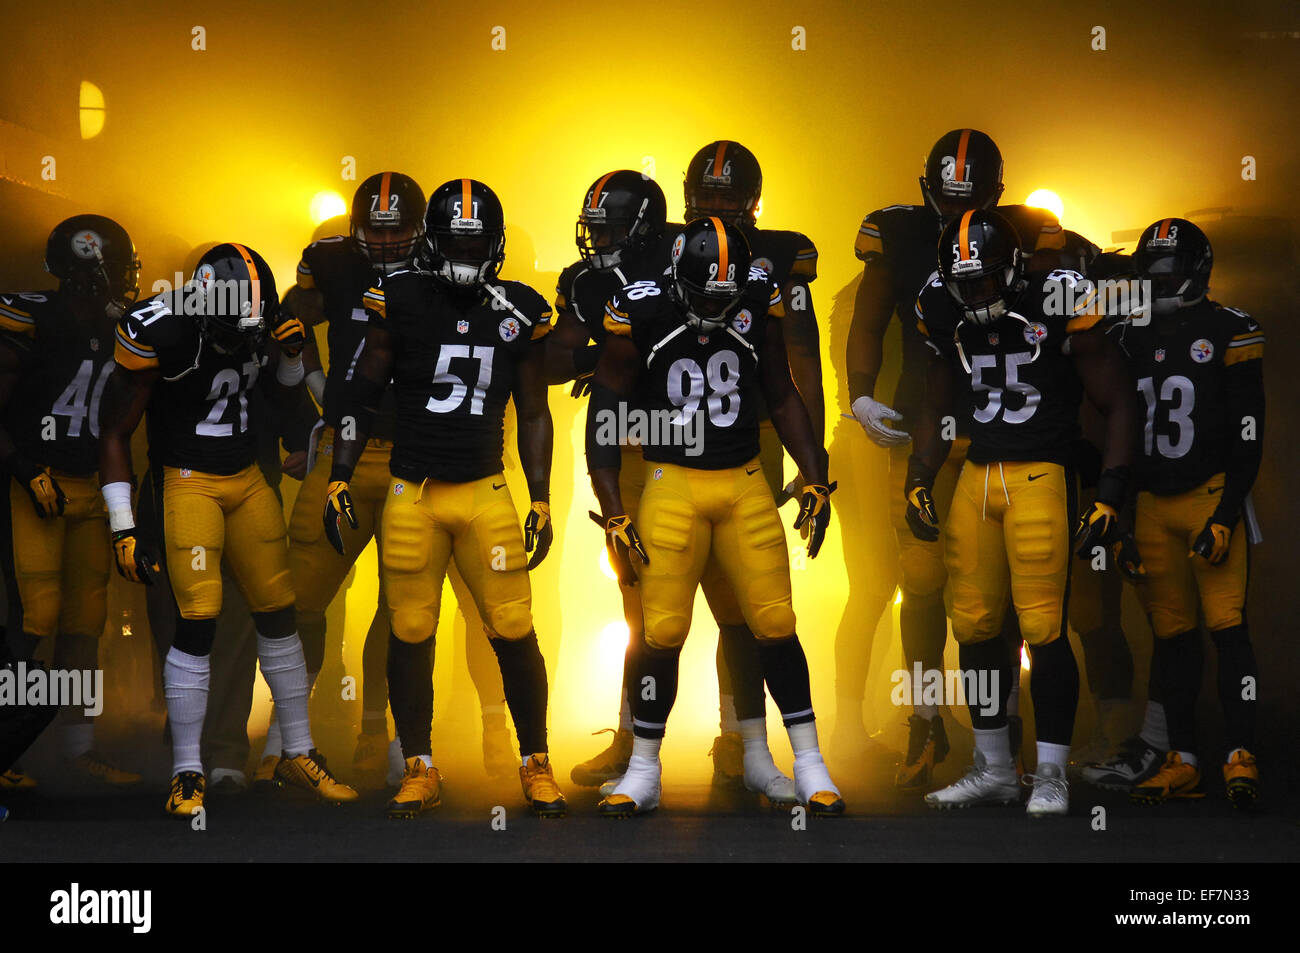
{"points": [[497, 486], [130, 331], [749, 472], [1035, 476], [1216, 489]]}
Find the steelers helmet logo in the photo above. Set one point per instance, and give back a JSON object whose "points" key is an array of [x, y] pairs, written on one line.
{"points": [[743, 321], [509, 328], [764, 265], [205, 276], [1035, 332], [1202, 351], [679, 245], [87, 244]]}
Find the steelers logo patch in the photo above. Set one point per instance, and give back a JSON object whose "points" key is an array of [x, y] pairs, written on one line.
{"points": [[1202, 351], [743, 321], [764, 265], [509, 328], [87, 244], [679, 244], [1035, 332]]}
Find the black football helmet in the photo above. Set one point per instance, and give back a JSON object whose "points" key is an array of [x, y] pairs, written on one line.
{"points": [[464, 234], [92, 255], [962, 172], [234, 298], [710, 269], [388, 219], [981, 265], [724, 179], [1176, 257], [623, 214]]}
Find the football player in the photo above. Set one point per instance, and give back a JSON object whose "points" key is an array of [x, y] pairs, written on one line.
{"points": [[896, 245], [1199, 372], [1025, 346], [189, 357], [457, 344], [55, 359], [695, 349]]}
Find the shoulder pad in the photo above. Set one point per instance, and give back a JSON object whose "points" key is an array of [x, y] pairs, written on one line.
{"points": [[18, 311], [1247, 343]]}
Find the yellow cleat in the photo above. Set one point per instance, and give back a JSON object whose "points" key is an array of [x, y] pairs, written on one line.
{"points": [[93, 766], [609, 765], [370, 760], [1175, 779], [15, 780], [308, 771], [540, 790], [1241, 778], [728, 753], [186, 797], [826, 804], [498, 753], [264, 779], [421, 791]]}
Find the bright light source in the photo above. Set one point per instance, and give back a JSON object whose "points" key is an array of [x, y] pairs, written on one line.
{"points": [[605, 566], [326, 205], [1024, 657], [613, 638], [898, 597], [758, 208], [1046, 198], [91, 110]]}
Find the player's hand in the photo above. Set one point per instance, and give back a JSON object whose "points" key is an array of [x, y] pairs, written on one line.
{"points": [[134, 561], [538, 533], [1213, 543], [295, 465], [582, 385], [872, 414], [1098, 525], [338, 504], [45, 492], [1127, 558], [622, 539], [291, 335], [814, 515]]}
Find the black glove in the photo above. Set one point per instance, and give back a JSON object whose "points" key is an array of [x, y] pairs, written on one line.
{"points": [[47, 497], [1213, 542], [1127, 558], [338, 504], [622, 539], [1099, 523], [134, 561], [814, 515], [538, 533], [291, 335], [922, 519]]}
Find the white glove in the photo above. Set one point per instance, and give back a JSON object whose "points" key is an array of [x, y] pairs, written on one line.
{"points": [[872, 414]]}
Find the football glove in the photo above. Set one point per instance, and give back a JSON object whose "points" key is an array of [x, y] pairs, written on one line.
{"points": [[621, 539], [1213, 542], [581, 386], [134, 561], [1127, 557], [1099, 523], [291, 335], [922, 519], [47, 497], [872, 414], [538, 533], [338, 504], [814, 515]]}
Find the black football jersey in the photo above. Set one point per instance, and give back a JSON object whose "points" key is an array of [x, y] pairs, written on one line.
{"points": [[342, 274], [198, 415], [782, 255], [585, 290], [1024, 392], [53, 413], [906, 239], [454, 369], [1183, 365], [700, 393]]}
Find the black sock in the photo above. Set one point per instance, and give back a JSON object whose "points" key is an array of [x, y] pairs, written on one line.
{"points": [[311, 632], [523, 676], [653, 689], [410, 688], [785, 669], [1055, 690], [1181, 658], [738, 654], [992, 659], [1108, 662], [1236, 664], [924, 629], [374, 666]]}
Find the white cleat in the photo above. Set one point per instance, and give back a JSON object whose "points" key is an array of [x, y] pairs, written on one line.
{"points": [[814, 787], [1051, 794], [637, 791], [780, 791], [984, 783]]}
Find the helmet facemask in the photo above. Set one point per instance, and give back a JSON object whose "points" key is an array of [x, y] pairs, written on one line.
{"points": [[604, 241], [983, 295], [1174, 283], [466, 255], [389, 247]]}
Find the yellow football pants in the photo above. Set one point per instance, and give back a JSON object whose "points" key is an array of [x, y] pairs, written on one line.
{"points": [[689, 516], [1175, 583], [1008, 532], [62, 564], [206, 518], [428, 525], [921, 563]]}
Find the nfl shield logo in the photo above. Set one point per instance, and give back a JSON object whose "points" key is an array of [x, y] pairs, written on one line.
{"points": [[398, 488], [993, 338], [94, 344], [1160, 354], [185, 471], [702, 338], [462, 326]]}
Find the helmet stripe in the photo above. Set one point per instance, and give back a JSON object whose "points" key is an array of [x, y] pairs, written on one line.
{"points": [[963, 236], [1163, 230], [383, 190], [597, 189], [719, 157], [959, 172], [466, 199], [722, 247], [254, 281]]}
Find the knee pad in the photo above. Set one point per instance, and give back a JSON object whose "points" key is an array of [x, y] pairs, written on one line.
{"points": [[414, 625], [195, 636], [667, 633], [510, 622], [275, 624], [774, 621]]}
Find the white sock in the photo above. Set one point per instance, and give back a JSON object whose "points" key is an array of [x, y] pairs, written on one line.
{"points": [[1049, 753], [624, 713], [759, 766], [727, 720], [185, 684], [1155, 730], [647, 748], [803, 737], [1013, 697], [273, 746], [810, 774], [78, 738], [1233, 753], [1188, 758], [285, 671], [995, 745], [928, 712]]}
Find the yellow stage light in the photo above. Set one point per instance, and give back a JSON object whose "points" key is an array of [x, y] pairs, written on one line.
{"points": [[898, 597], [326, 204], [1024, 657], [1046, 198], [605, 565], [91, 110]]}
